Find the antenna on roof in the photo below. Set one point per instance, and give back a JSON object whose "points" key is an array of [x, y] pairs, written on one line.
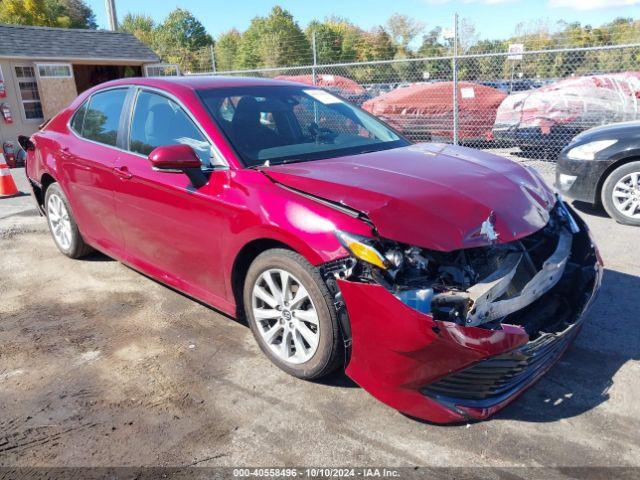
{"points": [[112, 15]]}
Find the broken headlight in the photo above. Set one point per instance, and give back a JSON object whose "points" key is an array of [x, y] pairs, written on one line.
{"points": [[411, 273], [362, 248]]}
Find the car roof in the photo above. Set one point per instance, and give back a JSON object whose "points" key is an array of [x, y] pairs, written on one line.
{"points": [[197, 82]]}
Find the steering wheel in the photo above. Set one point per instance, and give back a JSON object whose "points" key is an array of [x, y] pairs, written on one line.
{"points": [[321, 135]]}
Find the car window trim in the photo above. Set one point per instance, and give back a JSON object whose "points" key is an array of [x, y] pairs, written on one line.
{"points": [[215, 152], [118, 134]]}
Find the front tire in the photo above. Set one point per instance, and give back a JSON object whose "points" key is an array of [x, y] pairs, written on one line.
{"points": [[621, 194], [291, 314], [62, 225]]}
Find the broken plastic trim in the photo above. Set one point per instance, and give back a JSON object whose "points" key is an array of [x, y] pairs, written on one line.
{"points": [[482, 294]]}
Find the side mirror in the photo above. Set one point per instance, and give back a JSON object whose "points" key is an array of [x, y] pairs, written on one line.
{"points": [[174, 158]]}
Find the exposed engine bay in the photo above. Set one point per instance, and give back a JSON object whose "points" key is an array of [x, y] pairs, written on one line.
{"points": [[482, 286]]}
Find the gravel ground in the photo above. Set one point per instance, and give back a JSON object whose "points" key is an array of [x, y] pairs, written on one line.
{"points": [[101, 366]]}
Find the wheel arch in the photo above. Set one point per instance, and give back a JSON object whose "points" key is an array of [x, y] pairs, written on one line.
{"points": [[610, 169], [243, 259], [40, 190]]}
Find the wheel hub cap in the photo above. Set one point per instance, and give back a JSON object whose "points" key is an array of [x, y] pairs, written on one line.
{"points": [[285, 315], [59, 221], [626, 195]]}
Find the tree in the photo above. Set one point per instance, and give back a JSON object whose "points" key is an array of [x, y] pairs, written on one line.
{"points": [[46, 13], [181, 39], [182, 30], [227, 49], [142, 26], [403, 30], [276, 40], [336, 39], [437, 69], [248, 50], [80, 14], [375, 45]]}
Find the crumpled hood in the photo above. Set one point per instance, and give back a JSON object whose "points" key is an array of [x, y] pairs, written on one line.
{"points": [[430, 195]]}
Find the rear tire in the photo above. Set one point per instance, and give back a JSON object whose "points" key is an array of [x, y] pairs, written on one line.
{"points": [[297, 330], [62, 225], [621, 194]]}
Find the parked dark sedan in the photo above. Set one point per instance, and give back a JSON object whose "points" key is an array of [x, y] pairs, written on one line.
{"points": [[602, 166]]}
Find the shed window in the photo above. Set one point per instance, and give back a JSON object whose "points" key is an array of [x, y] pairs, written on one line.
{"points": [[59, 70], [162, 70], [29, 94]]}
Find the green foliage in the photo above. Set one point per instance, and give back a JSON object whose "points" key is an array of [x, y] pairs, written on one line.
{"points": [[336, 40], [541, 36], [227, 49], [180, 39], [48, 13], [142, 26], [79, 13], [274, 40], [403, 29]]}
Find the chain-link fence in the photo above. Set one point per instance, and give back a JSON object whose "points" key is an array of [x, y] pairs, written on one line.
{"points": [[524, 104]]}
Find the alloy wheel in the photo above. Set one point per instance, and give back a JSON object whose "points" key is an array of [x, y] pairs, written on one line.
{"points": [[59, 221], [626, 195], [285, 315]]}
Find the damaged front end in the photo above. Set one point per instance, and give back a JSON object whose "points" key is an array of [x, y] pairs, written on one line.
{"points": [[449, 336]]}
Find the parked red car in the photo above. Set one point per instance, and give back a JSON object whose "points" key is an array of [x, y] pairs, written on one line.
{"points": [[424, 111], [446, 280], [348, 89]]}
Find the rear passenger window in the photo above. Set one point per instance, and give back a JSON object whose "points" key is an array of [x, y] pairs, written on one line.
{"points": [[78, 119], [158, 121], [102, 117]]}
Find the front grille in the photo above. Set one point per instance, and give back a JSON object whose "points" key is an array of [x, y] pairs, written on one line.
{"points": [[493, 380]]}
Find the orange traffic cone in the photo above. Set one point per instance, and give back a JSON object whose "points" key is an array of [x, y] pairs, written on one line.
{"points": [[7, 185]]}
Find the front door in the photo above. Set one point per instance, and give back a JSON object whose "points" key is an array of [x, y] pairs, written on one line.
{"points": [[171, 228]]}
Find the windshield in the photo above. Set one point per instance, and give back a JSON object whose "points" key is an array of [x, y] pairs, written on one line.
{"points": [[282, 124]]}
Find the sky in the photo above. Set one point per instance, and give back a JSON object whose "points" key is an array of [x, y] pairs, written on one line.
{"points": [[492, 18]]}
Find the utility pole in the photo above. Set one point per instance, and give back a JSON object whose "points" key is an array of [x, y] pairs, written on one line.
{"points": [[315, 58], [455, 79], [213, 58], [111, 14]]}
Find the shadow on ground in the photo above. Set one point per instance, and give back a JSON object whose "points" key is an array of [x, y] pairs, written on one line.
{"points": [[589, 209], [581, 380]]}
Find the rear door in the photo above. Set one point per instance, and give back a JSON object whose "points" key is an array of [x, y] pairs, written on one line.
{"points": [[172, 229], [88, 160]]}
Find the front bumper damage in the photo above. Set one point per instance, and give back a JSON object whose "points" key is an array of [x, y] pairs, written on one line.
{"points": [[447, 372]]}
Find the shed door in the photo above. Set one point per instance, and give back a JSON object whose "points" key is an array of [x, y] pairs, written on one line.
{"points": [[57, 87]]}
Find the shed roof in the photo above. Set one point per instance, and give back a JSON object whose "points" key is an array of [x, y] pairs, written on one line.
{"points": [[20, 41]]}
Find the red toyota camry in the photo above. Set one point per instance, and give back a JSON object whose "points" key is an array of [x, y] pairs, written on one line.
{"points": [[444, 280]]}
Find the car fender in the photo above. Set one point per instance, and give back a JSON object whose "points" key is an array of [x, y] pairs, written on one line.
{"points": [[626, 155]]}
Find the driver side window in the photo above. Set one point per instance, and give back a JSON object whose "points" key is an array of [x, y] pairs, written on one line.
{"points": [[158, 121]]}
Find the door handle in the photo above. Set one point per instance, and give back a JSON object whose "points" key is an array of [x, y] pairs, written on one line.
{"points": [[123, 172]]}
